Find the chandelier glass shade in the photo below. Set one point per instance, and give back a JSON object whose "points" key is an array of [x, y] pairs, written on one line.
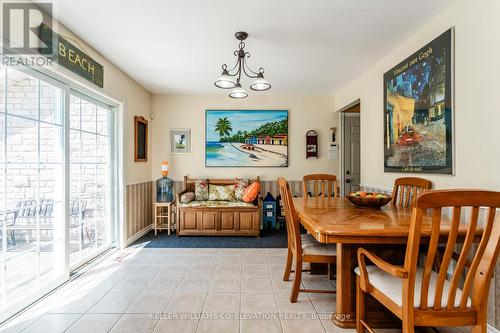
{"points": [[260, 84], [225, 81], [238, 92], [231, 79]]}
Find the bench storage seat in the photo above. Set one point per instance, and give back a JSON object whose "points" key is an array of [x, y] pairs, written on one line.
{"points": [[217, 218]]}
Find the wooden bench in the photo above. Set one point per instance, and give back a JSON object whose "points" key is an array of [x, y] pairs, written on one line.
{"points": [[217, 221]]}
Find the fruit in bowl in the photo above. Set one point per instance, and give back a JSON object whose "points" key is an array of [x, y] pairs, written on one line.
{"points": [[369, 199]]}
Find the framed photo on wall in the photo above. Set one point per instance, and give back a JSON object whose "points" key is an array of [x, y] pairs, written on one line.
{"points": [[246, 138], [140, 139], [180, 141], [418, 110]]}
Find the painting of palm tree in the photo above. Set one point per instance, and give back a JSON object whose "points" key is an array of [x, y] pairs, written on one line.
{"points": [[223, 127], [246, 138]]}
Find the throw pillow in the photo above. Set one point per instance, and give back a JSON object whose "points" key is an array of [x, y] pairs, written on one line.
{"points": [[187, 197], [240, 186], [221, 192], [251, 192], [201, 189]]}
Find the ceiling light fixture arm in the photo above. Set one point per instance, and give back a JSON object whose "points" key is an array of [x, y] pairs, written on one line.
{"points": [[241, 66]]}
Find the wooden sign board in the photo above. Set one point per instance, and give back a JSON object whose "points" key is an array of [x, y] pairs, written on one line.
{"points": [[72, 58]]}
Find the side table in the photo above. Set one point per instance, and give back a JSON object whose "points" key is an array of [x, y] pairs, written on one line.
{"points": [[159, 216]]}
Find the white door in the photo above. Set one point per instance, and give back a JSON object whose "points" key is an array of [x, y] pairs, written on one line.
{"points": [[351, 149]]}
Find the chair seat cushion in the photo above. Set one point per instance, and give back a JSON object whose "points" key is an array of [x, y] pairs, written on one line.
{"points": [[310, 246], [392, 287]]}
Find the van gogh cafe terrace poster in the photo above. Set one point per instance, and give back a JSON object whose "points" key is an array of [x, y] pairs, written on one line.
{"points": [[418, 110]]}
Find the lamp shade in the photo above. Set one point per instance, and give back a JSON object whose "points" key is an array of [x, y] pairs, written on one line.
{"points": [[238, 92], [225, 81], [260, 84]]}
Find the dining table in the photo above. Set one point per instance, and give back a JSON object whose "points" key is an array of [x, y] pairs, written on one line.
{"points": [[383, 230]]}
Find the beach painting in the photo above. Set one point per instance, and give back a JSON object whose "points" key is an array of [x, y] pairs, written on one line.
{"points": [[246, 138]]}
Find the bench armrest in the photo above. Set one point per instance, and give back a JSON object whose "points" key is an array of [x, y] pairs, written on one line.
{"points": [[178, 196]]}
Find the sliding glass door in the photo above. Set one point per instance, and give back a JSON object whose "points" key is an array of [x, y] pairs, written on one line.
{"points": [[55, 183], [31, 185], [90, 153]]}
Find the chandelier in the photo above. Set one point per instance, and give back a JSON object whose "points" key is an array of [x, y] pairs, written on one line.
{"points": [[231, 79]]}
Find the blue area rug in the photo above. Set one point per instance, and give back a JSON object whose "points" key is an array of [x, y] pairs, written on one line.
{"points": [[267, 239]]}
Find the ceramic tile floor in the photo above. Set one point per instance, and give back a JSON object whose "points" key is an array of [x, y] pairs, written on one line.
{"points": [[182, 290]]}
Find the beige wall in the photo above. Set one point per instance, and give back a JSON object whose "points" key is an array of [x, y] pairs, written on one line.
{"points": [[477, 119], [136, 99], [188, 111]]}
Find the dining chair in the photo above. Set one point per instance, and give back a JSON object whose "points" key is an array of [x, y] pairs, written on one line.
{"points": [[301, 247], [420, 296], [324, 185], [407, 189]]}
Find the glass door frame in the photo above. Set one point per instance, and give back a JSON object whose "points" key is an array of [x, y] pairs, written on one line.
{"points": [[111, 232], [25, 300], [69, 85]]}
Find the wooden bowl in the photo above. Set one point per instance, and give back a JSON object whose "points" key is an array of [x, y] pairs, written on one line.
{"points": [[372, 202]]}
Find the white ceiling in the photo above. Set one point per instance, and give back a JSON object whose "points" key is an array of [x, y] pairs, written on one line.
{"points": [[178, 46]]}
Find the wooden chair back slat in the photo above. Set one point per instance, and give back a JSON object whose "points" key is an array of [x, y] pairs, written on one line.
{"points": [[430, 258], [450, 245], [324, 185], [415, 191], [485, 270], [407, 189], [401, 196], [291, 218], [482, 265], [462, 258], [471, 274]]}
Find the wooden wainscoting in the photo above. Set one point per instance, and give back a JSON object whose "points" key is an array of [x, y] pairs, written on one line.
{"points": [[138, 207]]}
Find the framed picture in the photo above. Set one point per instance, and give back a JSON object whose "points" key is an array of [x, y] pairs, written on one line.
{"points": [[246, 138], [180, 141], [418, 110], [140, 139]]}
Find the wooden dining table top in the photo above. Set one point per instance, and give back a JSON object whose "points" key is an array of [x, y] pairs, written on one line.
{"points": [[337, 220]]}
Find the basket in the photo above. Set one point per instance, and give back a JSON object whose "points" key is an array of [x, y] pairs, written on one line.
{"points": [[372, 201]]}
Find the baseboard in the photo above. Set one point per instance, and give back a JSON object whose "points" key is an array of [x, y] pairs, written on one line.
{"points": [[138, 235], [492, 329]]}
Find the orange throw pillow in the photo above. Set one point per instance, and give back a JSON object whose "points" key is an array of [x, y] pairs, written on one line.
{"points": [[251, 192]]}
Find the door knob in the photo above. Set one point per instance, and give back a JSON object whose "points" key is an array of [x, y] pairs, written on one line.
{"points": [[347, 180]]}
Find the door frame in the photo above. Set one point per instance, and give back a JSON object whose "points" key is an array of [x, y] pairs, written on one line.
{"points": [[340, 137]]}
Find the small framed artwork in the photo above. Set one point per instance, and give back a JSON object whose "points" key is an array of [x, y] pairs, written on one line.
{"points": [[180, 141], [140, 139]]}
